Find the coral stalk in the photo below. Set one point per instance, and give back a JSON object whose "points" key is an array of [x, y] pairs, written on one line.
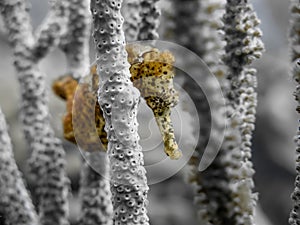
{"points": [[149, 24], [47, 164], [188, 24], [53, 27], [196, 26], [95, 195], [119, 100], [15, 202], [295, 58], [227, 183], [131, 12], [243, 45], [96, 207], [75, 43]]}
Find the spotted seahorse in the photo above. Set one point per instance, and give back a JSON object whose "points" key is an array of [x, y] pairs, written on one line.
{"points": [[152, 73]]}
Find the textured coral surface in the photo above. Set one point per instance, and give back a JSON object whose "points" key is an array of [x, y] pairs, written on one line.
{"points": [[15, 201], [119, 101], [295, 59]]}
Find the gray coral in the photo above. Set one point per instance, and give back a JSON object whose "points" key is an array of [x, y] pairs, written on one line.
{"points": [[15, 202], [75, 43], [95, 195], [243, 45], [196, 25], [131, 12], [119, 100], [295, 58], [150, 13], [227, 182], [47, 162]]}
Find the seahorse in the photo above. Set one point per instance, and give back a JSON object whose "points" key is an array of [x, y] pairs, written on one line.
{"points": [[152, 74], [82, 105]]}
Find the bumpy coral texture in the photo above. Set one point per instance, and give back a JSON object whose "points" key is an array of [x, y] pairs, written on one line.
{"points": [[244, 44], [82, 106], [295, 58], [186, 16], [75, 43], [200, 21], [119, 100], [149, 24], [153, 76], [46, 163], [131, 12], [49, 32], [95, 195], [15, 201]]}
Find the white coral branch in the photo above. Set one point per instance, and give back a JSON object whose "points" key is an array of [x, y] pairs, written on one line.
{"points": [[47, 161], [295, 60], [15, 201], [119, 100]]}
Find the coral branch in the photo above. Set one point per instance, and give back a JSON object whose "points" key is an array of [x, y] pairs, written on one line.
{"points": [[243, 46], [47, 162], [15, 201], [197, 23], [189, 24], [53, 27], [131, 12], [150, 14], [295, 58], [96, 207], [119, 100], [75, 43]]}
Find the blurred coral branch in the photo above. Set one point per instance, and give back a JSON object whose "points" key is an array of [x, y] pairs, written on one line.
{"points": [[47, 163], [132, 16], [15, 201], [243, 46], [150, 13], [201, 21], [75, 42], [295, 59]]}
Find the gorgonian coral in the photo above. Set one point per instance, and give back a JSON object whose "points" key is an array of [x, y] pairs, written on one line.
{"points": [[197, 24], [148, 28], [75, 43], [46, 162], [95, 195], [119, 100], [131, 12], [295, 58], [15, 202], [243, 45]]}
